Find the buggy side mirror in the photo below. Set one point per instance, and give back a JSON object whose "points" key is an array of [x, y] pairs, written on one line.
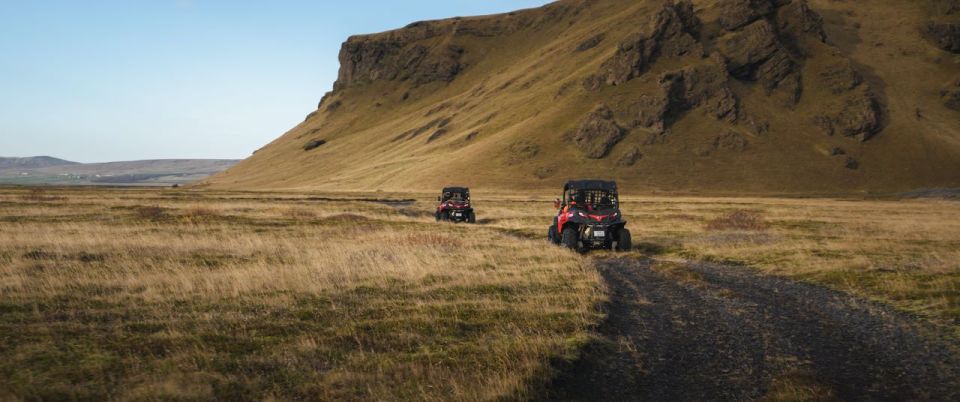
{"points": [[557, 204], [439, 199]]}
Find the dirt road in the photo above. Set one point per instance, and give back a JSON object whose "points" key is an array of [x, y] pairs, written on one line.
{"points": [[709, 332]]}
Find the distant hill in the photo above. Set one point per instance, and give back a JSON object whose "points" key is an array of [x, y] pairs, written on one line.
{"points": [[146, 172], [32, 162], [714, 96]]}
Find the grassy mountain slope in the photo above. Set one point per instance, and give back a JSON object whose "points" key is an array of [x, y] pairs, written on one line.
{"points": [[710, 95]]}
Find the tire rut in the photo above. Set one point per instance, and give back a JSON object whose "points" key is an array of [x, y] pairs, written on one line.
{"points": [[725, 333]]}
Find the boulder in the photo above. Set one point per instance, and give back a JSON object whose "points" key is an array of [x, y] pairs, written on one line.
{"points": [[945, 35], [598, 133], [670, 32]]}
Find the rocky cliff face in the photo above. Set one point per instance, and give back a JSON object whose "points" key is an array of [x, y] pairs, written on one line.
{"points": [[763, 95], [761, 41], [428, 51], [399, 56]]}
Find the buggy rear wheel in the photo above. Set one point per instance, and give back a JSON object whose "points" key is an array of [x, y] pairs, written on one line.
{"points": [[472, 217]]}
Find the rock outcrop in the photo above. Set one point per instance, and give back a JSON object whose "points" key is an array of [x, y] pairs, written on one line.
{"points": [[670, 32], [859, 116], [755, 53], [945, 35], [796, 19], [731, 141], [591, 42], [598, 133], [856, 110], [314, 144], [703, 86], [841, 77]]}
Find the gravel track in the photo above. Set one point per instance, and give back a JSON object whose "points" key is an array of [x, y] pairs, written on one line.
{"points": [[716, 332]]}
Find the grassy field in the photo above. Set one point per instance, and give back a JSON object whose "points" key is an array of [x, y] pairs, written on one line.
{"points": [[140, 294], [904, 253]]}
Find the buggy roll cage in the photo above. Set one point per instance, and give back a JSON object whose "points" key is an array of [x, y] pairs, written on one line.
{"points": [[598, 193], [448, 193]]}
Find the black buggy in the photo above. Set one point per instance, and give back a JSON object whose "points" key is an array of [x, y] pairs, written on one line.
{"points": [[454, 205], [589, 217]]}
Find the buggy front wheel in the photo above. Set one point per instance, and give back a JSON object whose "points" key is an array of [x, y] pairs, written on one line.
{"points": [[624, 241]]}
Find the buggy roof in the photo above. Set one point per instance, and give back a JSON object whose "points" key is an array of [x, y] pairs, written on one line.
{"points": [[462, 190], [590, 185]]}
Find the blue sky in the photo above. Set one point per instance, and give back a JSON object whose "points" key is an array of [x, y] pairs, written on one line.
{"points": [[96, 81]]}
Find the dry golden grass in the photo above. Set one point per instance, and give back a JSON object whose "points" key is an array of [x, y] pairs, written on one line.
{"points": [[133, 294], [141, 294], [904, 253]]}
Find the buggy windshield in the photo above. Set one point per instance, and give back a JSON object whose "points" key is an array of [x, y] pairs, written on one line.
{"points": [[592, 200]]}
